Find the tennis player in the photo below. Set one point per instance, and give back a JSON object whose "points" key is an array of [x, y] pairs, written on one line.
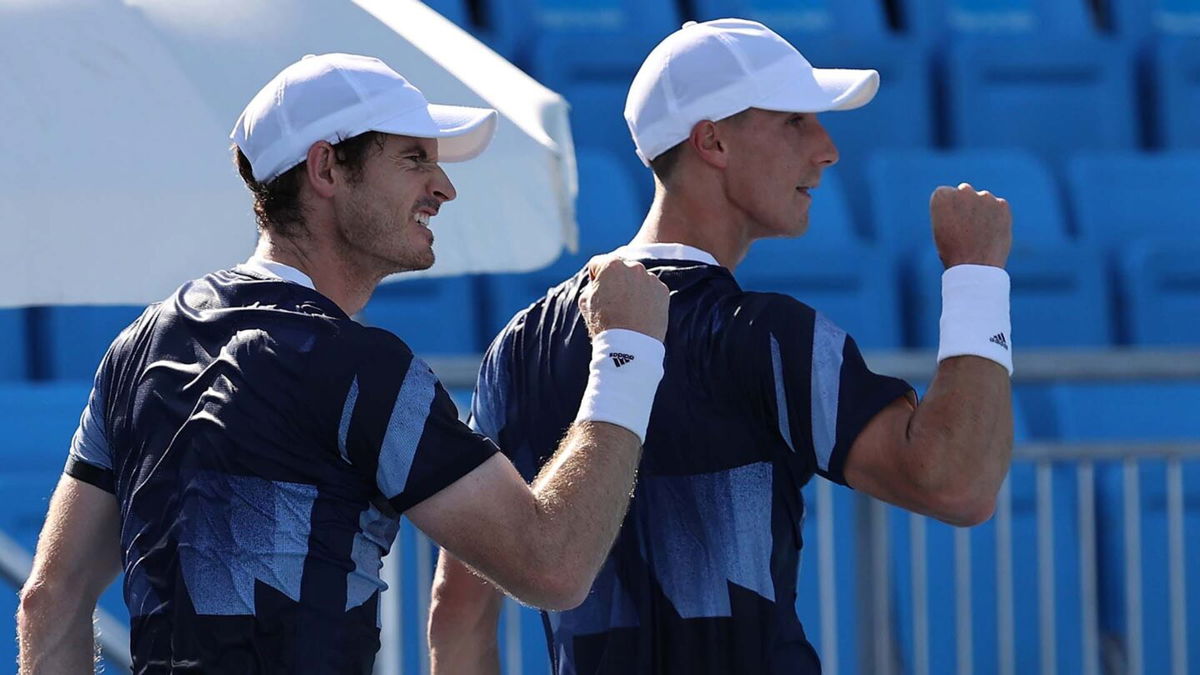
{"points": [[761, 391], [247, 448]]}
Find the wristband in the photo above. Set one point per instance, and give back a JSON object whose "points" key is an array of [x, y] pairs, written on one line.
{"points": [[622, 380], [975, 318]]}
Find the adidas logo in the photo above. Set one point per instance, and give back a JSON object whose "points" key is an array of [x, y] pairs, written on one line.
{"points": [[998, 338], [620, 359]]}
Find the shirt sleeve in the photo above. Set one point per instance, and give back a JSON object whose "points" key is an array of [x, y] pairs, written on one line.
{"points": [[400, 425], [489, 400], [821, 392], [90, 457]]}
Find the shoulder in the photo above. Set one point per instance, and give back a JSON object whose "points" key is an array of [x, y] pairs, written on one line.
{"points": [[359, 348], [760, 316], [549, 317]]}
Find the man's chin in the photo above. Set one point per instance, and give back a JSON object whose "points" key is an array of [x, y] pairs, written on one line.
{"points": [[416, 264]]}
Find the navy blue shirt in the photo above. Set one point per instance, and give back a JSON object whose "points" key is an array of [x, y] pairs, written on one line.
{"points": [[760, 392], [261, 446]]}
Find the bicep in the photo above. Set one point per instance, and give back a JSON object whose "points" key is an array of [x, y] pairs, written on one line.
{"points": [[80, 540], [482, 518], [879, 459]]}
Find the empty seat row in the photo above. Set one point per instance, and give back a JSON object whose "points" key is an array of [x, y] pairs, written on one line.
{"points": [[510, 26]]}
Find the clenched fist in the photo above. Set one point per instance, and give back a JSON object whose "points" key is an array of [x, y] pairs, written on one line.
{"points": [[970, 227], [622, 294]]}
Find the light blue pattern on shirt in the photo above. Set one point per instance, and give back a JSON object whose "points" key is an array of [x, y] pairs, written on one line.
{"points": [[829, 342], [405, 428]]}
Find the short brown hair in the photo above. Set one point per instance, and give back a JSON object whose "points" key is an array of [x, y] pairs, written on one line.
{"points": [[664, 165], [277, 204]]}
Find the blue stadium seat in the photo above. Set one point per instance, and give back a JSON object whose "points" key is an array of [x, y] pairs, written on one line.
{"points": [[593, 73], [1059, 290], [1160, 283], [608, 214], [1176, 99], [434, 317], [1059, 298], [72, 339], [15, 351], [1055, 97], [523, 23], [1138, 19], [846, 17], [934, 19], [1119, 197], [1162, 411], [902, 181]]}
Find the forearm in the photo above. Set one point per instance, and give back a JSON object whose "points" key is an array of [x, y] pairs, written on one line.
{"points": [[582, 494], [961, 436], [77, 558], [542, 544], [54, 631], [463, 617]]}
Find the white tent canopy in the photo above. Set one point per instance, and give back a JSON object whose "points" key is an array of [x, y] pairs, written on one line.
{"points": [[117, 183]]}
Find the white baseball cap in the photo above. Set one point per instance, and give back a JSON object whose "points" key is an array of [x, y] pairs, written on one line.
{"points": [[333, 97], [715, 69]]}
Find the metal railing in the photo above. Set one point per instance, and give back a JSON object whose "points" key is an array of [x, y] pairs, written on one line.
{"points": [[1044, 457]]}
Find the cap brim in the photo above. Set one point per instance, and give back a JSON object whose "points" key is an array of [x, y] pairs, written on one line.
{"points": [[462, 132], [830, 89]]}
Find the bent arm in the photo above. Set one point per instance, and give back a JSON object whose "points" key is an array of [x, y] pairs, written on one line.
{"points": [[542, 543], [78, 556], [946, 457], [462, 621]]}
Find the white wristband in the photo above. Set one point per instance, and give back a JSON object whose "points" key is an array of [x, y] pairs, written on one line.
{"points": [[623, 378], [975, 318]]}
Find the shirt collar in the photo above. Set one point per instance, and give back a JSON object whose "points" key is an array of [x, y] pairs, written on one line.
{"points": [[278, 270], [665, 252]]}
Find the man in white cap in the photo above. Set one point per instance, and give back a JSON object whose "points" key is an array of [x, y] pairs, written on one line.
{"points": [[247, 448], [761, 392]]}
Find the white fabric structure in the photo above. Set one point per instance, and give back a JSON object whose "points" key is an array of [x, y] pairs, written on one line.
{"points": [[117, 182]]}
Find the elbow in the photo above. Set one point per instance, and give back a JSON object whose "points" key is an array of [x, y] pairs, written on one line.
{"points": [[964, 494], [31, 602], [962, 501], [966, 510], [559, 588], [38, 602]]}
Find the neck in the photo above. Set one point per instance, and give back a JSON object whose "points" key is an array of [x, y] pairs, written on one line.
{"points": [[679, 216], [348, 284]]}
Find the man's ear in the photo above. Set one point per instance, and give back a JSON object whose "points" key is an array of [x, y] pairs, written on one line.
{"points": [[319, 169], [709, 144]]}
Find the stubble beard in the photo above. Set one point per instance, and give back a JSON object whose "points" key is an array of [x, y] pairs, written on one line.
{"points": [[378, 243]]}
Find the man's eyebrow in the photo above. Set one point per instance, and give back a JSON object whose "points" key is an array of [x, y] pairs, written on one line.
{"points": [[412, 149]]}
